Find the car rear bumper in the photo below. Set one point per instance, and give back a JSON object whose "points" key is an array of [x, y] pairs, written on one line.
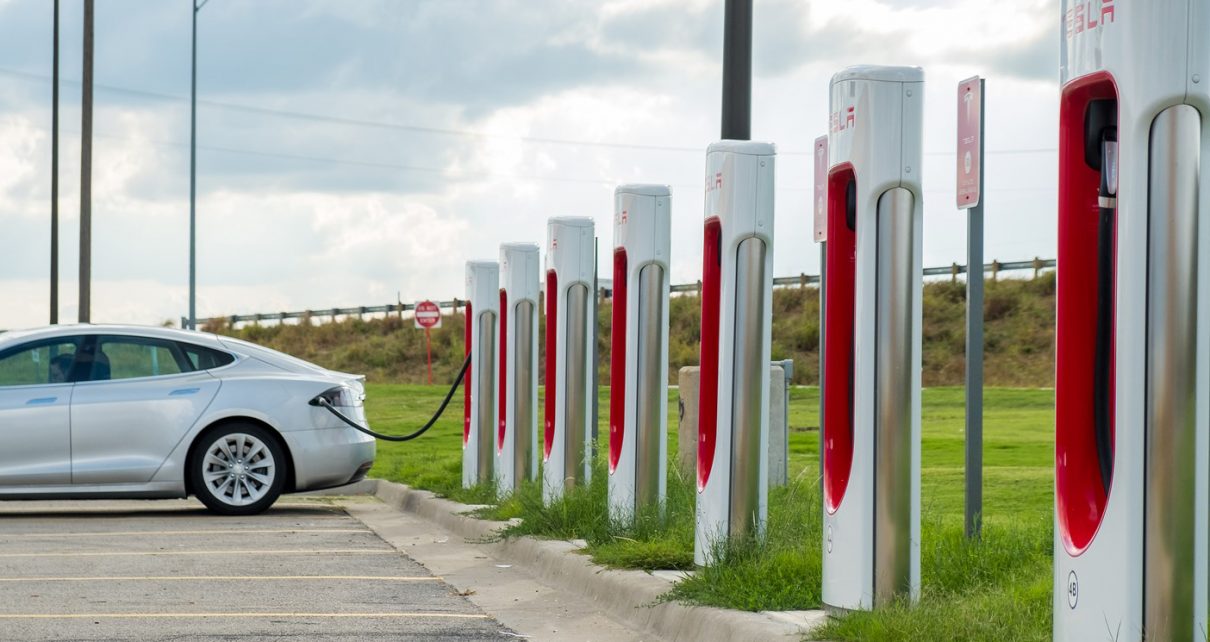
{"points": [[329, 457]]}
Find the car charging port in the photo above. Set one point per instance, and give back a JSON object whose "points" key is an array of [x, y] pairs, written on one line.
{"points": [[331, 400]]}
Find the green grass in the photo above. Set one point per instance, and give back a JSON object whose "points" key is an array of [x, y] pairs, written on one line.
{"points": [[996, 589]]}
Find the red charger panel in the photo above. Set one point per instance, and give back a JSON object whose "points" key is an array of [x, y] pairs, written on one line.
{"points": [[707, 415], [617, 360], [841, 259], [1080, 497]]}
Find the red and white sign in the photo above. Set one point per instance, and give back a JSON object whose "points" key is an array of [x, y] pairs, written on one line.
{"points": [[821, 189], [970, 141], [427, 314]]}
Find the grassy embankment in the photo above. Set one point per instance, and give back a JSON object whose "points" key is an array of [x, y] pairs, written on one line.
{"points": [[1019, 337]]}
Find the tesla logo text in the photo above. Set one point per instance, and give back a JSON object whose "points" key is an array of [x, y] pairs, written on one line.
{"points": [[623, 216], [717, 183], [839, 123], [1085, 17]]}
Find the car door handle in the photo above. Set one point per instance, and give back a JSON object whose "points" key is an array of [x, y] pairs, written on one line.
{"points": [[41, 401], [181, 392]]}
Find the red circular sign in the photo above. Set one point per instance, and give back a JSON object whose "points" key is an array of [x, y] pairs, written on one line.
{"points": [[428, 315]]}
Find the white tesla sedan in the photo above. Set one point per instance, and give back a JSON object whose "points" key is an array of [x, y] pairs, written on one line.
{"points": [[93, 411]]}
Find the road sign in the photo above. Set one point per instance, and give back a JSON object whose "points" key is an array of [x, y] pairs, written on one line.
{"points": [[821, 189], [427, 315], [970, 141]]}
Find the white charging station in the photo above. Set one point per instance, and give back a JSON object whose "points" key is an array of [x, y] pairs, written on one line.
{"points": [[517, 437], [638, 388], [1131, 395], [737, 313], [570, 307], [871, 476], [482, 337]]}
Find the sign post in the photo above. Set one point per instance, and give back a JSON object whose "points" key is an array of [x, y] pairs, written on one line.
{"points": [[821, 237], [970, 198], [428, 316]]}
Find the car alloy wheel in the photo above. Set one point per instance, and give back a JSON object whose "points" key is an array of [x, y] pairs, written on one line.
{"points": [[239, 470]]}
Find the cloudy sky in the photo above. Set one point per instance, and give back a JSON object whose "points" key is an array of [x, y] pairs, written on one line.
{"points": [[350, 150]]}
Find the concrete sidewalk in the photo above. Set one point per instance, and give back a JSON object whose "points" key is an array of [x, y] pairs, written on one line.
{"points": [[632, 597]]}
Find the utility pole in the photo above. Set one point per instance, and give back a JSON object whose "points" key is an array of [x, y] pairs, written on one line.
{"points": [[54, 177], [86, 172], [737, 70], [193, 173]]}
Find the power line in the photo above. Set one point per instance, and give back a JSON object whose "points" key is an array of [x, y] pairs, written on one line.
{"points": [[441, 131], [357, 122], [453, 175]]}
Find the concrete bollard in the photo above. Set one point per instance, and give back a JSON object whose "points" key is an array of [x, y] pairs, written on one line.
{"points": [[779, 420], [688, 382]]}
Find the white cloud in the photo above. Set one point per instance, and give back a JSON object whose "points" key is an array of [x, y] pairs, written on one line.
{"points": [[19, 141], [282, 228]]}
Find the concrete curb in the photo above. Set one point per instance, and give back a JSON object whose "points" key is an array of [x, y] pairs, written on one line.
{"points": [[629, 596]]}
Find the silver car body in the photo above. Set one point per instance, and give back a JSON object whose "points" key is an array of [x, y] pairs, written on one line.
{"points": [[132, 437]]}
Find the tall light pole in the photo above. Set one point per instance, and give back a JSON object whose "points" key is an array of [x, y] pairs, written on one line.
{"points": [[54, 178], [86, 172], [193, 174], [737, 70]]}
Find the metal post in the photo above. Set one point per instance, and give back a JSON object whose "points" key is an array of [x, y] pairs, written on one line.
{"points": [[86, 171], [193, 173], [974, 348], [54, 177], [596, 352], [823, 329], [193, 177], [737, 70]]}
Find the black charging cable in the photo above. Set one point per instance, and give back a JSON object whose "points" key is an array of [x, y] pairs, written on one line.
{"points": [[320, 401], [1102, 400], [850, 221]]}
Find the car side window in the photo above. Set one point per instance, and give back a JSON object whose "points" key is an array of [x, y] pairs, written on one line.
{"points": [[205, 358], [43, 362], [122, 357]]}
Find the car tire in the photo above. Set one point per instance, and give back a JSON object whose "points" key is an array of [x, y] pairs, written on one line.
{"points": [[238, 469]]}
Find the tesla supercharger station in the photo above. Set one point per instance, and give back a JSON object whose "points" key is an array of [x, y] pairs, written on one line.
{"points": [[871, 476], [1131, 410], [737, 297], [570, 265], [479, 403], [517, 436], [638, 373]]}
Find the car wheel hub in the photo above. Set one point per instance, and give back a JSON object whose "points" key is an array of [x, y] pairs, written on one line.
{"points": [[238, 469]]}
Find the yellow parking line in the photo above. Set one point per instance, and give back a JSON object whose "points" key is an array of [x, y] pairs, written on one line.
{"points": [[198, 578], [122, 616], [266, 531], [336, 551]]}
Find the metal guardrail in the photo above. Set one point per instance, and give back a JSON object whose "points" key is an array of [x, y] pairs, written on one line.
{"points": [[952, 271]]}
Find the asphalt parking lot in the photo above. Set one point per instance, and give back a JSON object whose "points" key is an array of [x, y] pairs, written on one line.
{"points": [[168, 570]]}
